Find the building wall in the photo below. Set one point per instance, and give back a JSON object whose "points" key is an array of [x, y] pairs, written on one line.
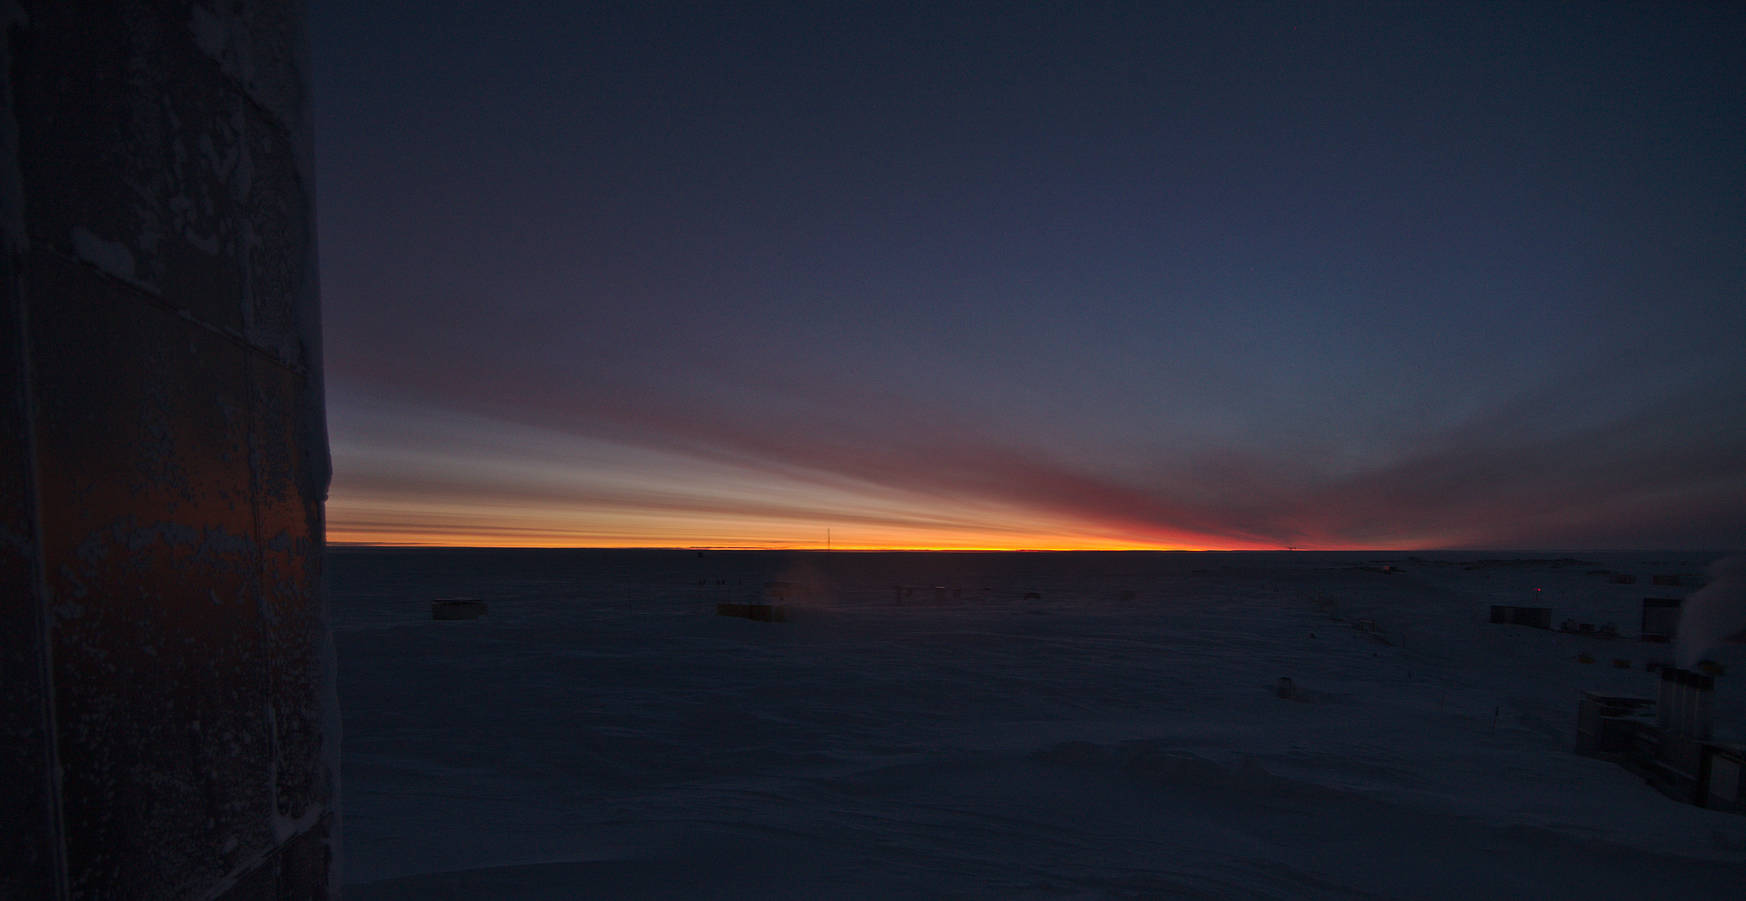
{"points": [[168, 720]]}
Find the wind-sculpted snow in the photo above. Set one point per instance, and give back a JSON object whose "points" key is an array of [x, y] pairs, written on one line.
{"points": [[602, 734]]}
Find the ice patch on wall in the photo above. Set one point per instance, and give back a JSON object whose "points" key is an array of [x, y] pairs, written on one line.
{"points": [[225, 39], [112, 257]]}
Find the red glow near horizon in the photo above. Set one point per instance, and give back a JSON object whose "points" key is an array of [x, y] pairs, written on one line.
{"points": [[415, 475], [581, 529]]}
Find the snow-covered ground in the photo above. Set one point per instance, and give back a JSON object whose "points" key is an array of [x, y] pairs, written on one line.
{"points": [[602, 734]]}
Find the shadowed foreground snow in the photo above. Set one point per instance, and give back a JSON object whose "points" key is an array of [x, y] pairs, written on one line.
{"points": [[602, 734]]}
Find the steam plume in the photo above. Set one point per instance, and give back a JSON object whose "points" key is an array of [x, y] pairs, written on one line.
{"points": [[1714, 612]]}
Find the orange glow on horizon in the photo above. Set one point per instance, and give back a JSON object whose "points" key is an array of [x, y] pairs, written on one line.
{"points": [[534, 538], [407, 521], [403, 522], [435, 542], [434, 481], [742, 534], [502, 506]]}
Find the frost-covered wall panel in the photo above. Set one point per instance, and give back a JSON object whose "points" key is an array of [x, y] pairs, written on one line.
{"points": [[27, 857], [160, 668], [163, 460], [295, 630], [131, 148]]}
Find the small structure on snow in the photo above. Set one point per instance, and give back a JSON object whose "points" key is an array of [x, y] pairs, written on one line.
{"points": [[1660, 619], [1667, 740], [1516, 615], [1607, 724], [763, 613], [767, 610], [457, 608]]}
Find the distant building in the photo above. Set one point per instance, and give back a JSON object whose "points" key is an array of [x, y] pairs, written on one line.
{"points": [[1515, 615], [1672, 750], [1660, 619]]}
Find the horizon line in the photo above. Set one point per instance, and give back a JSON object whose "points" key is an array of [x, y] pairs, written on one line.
{"points": [[371, 545]]}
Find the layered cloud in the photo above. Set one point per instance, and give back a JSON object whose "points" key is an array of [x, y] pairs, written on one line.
{"points": [[488, 462]]}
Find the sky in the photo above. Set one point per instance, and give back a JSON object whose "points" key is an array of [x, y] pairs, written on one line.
{"points": [[1034, 275]]}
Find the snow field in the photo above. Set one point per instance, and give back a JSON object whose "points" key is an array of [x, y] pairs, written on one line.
{"points": [[601, 734]]}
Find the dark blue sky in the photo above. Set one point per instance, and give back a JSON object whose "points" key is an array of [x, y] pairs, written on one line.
{"points": [[1247, 275]]}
